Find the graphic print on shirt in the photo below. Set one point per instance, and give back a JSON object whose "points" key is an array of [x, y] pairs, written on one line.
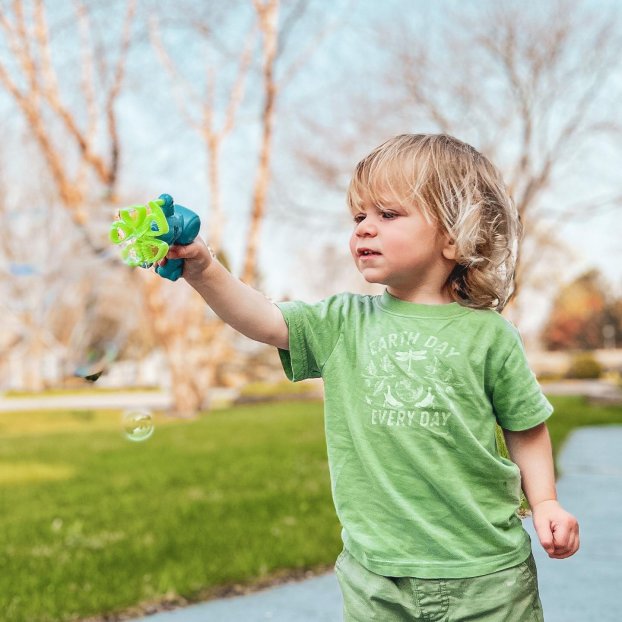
{"points": [[408, 381]]}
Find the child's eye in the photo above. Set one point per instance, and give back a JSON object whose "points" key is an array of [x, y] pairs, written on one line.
{"points": [[359, 218], [389, 215]]}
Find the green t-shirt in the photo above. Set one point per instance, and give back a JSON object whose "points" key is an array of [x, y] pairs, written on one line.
{"points": [[412, 395]]}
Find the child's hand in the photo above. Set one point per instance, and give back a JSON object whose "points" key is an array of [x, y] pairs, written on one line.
{"points": [[197, 258], [558, 531]]}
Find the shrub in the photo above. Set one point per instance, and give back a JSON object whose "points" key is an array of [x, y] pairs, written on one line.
{"points": [[584, 366], [277, 391], [550, 376]]}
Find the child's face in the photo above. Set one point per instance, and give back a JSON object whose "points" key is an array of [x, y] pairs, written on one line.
{"points": [[396, 246]]}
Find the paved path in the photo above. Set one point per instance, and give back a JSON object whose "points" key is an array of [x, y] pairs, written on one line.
{"points": [[583, 588], [91, 399], [595, 389]]}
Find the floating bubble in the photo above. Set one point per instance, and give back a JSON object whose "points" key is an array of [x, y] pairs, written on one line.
{"points": [[137, 424]]}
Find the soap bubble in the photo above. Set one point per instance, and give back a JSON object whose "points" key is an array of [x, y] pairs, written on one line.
{"points": [[137, 424]]}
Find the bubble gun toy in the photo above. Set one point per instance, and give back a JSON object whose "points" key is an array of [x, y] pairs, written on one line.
{"points": [[145, 233]]}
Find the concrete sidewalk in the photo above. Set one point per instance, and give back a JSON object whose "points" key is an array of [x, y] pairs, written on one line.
{"points": [[583, 588], [96, 399]]}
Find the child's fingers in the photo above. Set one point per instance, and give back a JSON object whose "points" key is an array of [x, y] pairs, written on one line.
{"points": [[566, 538], [170, 254], [545, 535], [561, 536], [175, 252], [566, 551], [186, 251], [557, 530]]}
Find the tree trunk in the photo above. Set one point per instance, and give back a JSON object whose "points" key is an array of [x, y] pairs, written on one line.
{"points": [[268, 15]]}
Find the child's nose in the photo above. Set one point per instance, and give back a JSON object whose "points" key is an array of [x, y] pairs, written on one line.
{"points": [[366, 228]]}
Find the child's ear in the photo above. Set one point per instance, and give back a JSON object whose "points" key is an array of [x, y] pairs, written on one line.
{"points": [[449, 249]]}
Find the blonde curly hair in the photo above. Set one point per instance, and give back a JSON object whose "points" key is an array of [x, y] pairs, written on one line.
{"points": [[461, 191]]}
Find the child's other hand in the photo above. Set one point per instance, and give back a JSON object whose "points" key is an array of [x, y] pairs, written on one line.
{"points": [[558, 530], [197, 258]]}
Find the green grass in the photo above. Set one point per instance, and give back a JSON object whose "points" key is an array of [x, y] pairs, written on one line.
{"points": [[92, 524], [279, 389]]}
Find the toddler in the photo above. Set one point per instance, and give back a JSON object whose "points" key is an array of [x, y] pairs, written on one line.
{"points": [[416, 380]]}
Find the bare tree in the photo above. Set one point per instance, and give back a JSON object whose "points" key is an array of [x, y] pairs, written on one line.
{"points": [[267, 13], [194, 358], [212, 345], [71, 116], [67, 95], [30, 76], [194, 372], [274, 38], [200, 111]]}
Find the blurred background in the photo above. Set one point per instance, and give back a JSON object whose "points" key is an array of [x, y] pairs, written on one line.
{"points": [[253, 113]]}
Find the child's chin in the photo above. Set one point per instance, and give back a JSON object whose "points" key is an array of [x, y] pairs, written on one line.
{"points": [[372, 279], [372, 276]]}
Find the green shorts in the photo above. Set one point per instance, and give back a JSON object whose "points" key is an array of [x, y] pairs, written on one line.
{"points": [[509, 595]]}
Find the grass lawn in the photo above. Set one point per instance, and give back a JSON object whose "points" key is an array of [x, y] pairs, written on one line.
{"points": [[92, 524]]}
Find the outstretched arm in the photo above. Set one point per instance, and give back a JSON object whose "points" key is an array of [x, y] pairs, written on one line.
{"points": [[237, 304], [558, 531]]}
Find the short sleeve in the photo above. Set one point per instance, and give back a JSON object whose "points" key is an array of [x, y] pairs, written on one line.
{"points": [[314, 330], [517, 398]]}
